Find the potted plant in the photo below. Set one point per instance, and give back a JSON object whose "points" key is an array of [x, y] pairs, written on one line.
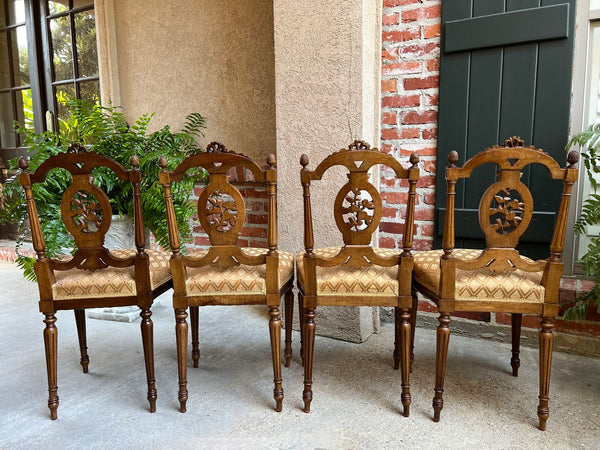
{"points": [[589, 141], [105, 131]]}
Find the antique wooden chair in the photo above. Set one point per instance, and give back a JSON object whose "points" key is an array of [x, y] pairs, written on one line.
{"points": [[93, 277], [498, 278], [226, 274], [357, 274]]}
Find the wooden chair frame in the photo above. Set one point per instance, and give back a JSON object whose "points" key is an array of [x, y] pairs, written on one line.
{"points": [[223, 234], [357, 252], [500, 255], [91, 255]]}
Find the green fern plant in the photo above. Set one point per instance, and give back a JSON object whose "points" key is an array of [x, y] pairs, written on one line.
{"points": [[589, 142], [104, 130]]}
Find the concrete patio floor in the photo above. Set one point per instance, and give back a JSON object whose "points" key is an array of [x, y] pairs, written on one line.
{"points": [[356, 392]]}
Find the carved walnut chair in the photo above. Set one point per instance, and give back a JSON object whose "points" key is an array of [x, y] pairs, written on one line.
{"points": [[357, 274], [498, 278], [93, 277], [226, 274]]}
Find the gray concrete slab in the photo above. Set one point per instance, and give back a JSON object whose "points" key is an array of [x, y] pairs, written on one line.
{"points": [[356, 392]]}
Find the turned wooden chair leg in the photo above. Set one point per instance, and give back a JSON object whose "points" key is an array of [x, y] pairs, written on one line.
{"points": [[289, 317], [309, 335], [275, 333], [515, 362], [546, 345], [50, 344], [181, 333], [413, 325], [81, 334], [441, 354], [405, 358], [147, 329], [195, 341], [301, 320], [397, 352]]}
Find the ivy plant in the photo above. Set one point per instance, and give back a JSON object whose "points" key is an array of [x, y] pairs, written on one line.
{"points": [[104, 130], [589, 142]]}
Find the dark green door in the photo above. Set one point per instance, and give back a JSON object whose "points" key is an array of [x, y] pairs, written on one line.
{"points": [[505, 71]]}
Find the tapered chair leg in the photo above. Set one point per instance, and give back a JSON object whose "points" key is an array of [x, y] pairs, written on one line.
{"points": [[309, 336], [289, 317], [181, 333], [50, 344], [81, 334], [301, 319], [546, 345], [405, 358], [441, 355], [275, 333], [397, 352], [515, 362], [147, 328], [413, 325], [195, 341]]}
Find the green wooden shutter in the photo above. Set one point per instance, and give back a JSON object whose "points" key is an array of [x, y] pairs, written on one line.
{"points": [[505, 70]]}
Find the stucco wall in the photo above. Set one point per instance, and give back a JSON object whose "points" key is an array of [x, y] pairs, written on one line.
{"points": [[327, 64], [215, 57]]}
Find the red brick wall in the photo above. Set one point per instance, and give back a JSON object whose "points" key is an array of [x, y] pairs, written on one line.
{"points": [[254, 233], [409, 90]]}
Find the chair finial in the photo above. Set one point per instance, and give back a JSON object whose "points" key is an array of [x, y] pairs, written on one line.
{"points": [[271, 160], [304, 160], [23, 164], [414, 159], [573, 158], [163, 163], [134, 161], [453, 158]]}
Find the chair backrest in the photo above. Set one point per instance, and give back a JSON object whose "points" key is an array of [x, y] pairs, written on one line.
{"points": [[221, 208], [358, 204], [85, 207], [505, 211], [85, 210]]}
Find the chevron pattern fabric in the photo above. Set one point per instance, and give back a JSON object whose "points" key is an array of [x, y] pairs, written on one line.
{"points": [[480, 284], [240, 279], [112, 281], [371, 280]]}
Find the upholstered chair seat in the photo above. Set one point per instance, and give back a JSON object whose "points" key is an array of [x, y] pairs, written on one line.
{"points": [[239, 280], [112, 281], [370, 280], [480, 284]]}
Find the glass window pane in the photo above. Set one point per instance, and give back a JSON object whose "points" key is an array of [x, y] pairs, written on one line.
{"points": [[63, 94], [4, 75], [24, 108], [7, 134], [90, 91], [62, 48], [16, 11], [85, 38], [55, 7], [18, 37]]}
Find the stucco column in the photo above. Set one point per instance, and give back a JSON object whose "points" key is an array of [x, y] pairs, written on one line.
{"points": [[327, 79]]}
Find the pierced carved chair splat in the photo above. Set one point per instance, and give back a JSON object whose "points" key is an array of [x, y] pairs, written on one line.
{"points": [[94, 276], [498, 278], [357, 274], [225, 273]]}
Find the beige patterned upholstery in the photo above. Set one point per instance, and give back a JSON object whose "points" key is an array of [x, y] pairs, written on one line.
{"points": [[480, 284], [240, 279], [112, 281], [372, 280]]}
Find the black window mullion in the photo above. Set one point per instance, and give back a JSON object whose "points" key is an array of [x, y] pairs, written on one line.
{"points": [[74, 50]]}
